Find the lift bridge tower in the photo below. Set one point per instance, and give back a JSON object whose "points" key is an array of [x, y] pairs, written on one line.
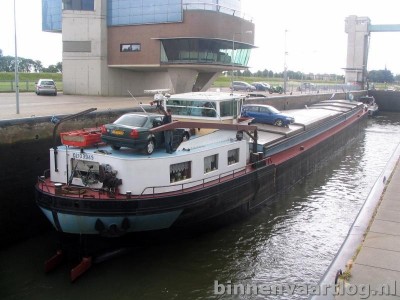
{"points": [[358, 30]]}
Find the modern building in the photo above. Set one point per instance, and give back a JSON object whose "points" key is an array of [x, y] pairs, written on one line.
{"points": [[112, 46]]}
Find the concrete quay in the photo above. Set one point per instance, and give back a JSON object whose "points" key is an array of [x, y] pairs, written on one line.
{"points": [[375, 271], [32, 106], [371, 250]]}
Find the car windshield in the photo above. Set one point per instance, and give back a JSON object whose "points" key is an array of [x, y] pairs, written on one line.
{"points": [[47, 82], [131, 120]]}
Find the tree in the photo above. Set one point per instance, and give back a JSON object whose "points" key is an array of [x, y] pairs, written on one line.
{"points": [[380, 76], [247, 73], [59, 67], [26, 65], [7, 64], [265, 73], [37, 66]]}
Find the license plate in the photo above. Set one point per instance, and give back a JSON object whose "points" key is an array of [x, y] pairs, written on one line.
{"points": [[118, 132]]}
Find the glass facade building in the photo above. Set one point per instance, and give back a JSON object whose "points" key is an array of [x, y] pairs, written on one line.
{"points": [[181, 45], [51, 15], [135, 12], [173, 51], [204, 51]]}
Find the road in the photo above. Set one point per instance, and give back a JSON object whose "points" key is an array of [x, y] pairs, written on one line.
{"points": [[31, 105]]}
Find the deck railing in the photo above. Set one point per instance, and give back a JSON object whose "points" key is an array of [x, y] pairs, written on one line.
{"points": [[176, 189]]}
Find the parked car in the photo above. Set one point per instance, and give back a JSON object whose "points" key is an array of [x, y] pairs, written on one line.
{"points": [[307, 86], [133, 131], [266, 84], [266, 114], [260, 86], [242, 86], [46, 86]]}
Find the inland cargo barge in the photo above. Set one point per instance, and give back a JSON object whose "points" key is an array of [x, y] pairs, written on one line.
{"points": [[227, 165]]}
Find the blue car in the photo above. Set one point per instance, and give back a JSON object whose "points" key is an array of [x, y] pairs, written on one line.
{"points": [[266, 114]]}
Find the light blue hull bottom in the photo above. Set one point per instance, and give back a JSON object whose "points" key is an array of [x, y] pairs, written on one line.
{"points": [[78, 224]]}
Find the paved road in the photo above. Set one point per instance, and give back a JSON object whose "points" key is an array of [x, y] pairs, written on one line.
{"points": [[32, 105]]}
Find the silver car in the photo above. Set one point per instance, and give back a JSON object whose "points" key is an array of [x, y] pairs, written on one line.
{"points": [[242, 86], [46, 86]]}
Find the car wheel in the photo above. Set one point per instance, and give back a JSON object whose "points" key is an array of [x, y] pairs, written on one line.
{"points": [[278, 122], [55, 94], [37, 93], [150, 146], [185, 136], [248, 90], [115, 147]]}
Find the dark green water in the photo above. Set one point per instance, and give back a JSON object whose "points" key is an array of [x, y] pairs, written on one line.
{"points": [[291, 241]]}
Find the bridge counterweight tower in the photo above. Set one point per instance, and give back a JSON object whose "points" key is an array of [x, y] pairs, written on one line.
{"points": [[358, 30]]}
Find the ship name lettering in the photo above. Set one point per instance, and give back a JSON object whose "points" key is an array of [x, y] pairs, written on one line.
{"points": [[83, 156]]}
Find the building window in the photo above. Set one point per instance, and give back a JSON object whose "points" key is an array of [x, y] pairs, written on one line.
{"points": [[210, 163], [181, 171], [130, 12], [233, 156], [130, 47], [87, 5], [204, 51], [51, 15]]}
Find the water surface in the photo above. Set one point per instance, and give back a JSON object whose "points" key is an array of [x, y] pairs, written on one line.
{"points": [[293, 240]]}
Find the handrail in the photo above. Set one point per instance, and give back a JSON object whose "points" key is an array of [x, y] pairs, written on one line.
{"points": [[218, 8], [178, 188], [203, 182], [58, 123]]}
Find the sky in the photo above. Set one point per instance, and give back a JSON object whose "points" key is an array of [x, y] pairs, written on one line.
{"points": [[313, 29]]}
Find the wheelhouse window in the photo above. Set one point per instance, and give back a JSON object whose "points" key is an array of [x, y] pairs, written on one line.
{"points": [[181, 171], [210, 163], [229, 108], [193, 108], [233, 156], [135, 47]]}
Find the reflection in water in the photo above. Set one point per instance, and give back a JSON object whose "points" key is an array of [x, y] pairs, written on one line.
{"points": [[293, 240]]}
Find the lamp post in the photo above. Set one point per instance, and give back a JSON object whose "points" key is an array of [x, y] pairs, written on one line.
{"points": [[233, 51], [16, 63], [285, 67]]}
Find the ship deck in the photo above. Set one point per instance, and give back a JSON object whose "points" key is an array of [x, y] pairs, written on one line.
{"points": [[305, 119], [194, 145]]}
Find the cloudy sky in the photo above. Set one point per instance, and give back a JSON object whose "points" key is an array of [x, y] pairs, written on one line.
{"points": [[315, 37]]}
